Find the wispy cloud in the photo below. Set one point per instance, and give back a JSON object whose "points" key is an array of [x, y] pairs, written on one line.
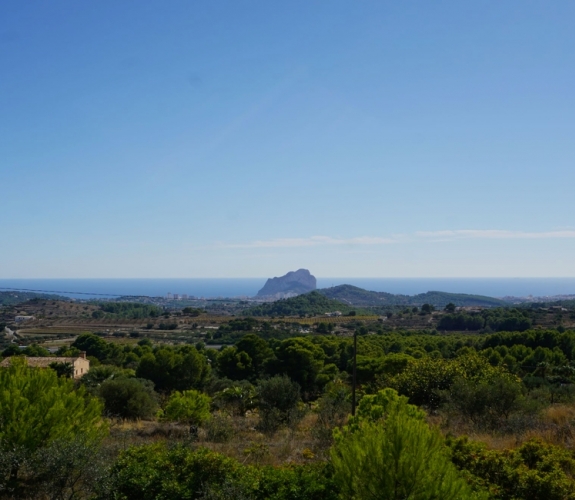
{"points": [[447, 235], [495, 234], [313, 241]]}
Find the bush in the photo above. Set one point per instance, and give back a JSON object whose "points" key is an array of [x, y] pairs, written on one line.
{"points": [[190, 407], [63, 469], [332, 411], [487, 403], [128, 398], [158, 472], [237, 399], [535, 471], [278, 399], [154, 472], [426, 381], [219, 428]]}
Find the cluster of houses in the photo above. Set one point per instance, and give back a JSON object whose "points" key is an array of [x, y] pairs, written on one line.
{"points": [[177, 296], [332, 314]]}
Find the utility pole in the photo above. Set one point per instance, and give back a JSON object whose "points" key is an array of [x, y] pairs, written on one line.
{"points": [[354, 373]]}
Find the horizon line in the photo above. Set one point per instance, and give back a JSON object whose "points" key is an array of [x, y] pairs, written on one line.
{"points": [[317, 277]]}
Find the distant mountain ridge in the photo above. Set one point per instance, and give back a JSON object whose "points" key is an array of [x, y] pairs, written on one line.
{"points": [[355, 296], [291, 284], [347, 298], [11, 298]]}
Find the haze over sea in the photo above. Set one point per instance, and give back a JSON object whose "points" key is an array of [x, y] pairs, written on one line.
{"points": [[234, 287]]}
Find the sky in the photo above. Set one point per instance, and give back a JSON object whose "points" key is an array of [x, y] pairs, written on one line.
{"points": [[249, 138]]}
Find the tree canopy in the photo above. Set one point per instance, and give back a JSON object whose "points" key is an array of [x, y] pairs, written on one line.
{"points": [[38, 407]]}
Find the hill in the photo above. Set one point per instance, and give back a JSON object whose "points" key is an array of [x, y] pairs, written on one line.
{"points": [[313, 303], [354, 296], [13, 298], [441, 299]]}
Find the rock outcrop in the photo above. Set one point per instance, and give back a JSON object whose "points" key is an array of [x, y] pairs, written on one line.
{"points": [[292, 284]]}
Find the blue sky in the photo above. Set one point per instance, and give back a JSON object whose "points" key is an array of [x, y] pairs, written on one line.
{"points": [[249, 138]]}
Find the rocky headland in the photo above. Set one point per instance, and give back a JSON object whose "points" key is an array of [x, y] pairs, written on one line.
{"points": [[292, 284]]}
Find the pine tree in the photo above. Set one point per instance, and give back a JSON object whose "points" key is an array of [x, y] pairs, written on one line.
{"points": [[389, 452], [37, 407]]}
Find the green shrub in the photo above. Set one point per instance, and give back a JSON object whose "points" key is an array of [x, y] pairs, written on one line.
{"points": [[237, 399], [190, 407], [128, 398], [278, 399], [295, 482], [158, 472], [534, 471], [67, 468], [425, 381], [332, 411], [486, 403], [219, 429]]}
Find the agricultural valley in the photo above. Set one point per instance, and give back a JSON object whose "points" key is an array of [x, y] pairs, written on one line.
{"points": [[253, 398]]}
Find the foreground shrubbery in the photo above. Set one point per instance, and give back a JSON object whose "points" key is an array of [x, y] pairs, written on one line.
{"points": [[534, 471], [173, 473], [257, 399]]}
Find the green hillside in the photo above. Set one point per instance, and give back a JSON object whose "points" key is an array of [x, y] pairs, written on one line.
{"points": [[441, 299], [313, 303], [12, 298], [354, 296]]}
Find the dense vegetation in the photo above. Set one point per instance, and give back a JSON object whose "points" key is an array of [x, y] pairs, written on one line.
{"points": [[313, 303], [15, 298], [169, 421], [355, 296], [500, 319], [129, 310]]}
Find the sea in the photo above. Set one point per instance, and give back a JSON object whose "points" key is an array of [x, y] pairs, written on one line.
{"points": [[248, 287]]}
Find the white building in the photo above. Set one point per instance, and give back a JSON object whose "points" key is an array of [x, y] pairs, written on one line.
{"points": [[20, 319]]}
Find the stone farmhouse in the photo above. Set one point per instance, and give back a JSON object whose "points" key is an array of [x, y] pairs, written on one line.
{"points": [[80, 364]]}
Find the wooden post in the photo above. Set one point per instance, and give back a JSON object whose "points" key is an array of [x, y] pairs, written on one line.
{"points": [[354, 373]]}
